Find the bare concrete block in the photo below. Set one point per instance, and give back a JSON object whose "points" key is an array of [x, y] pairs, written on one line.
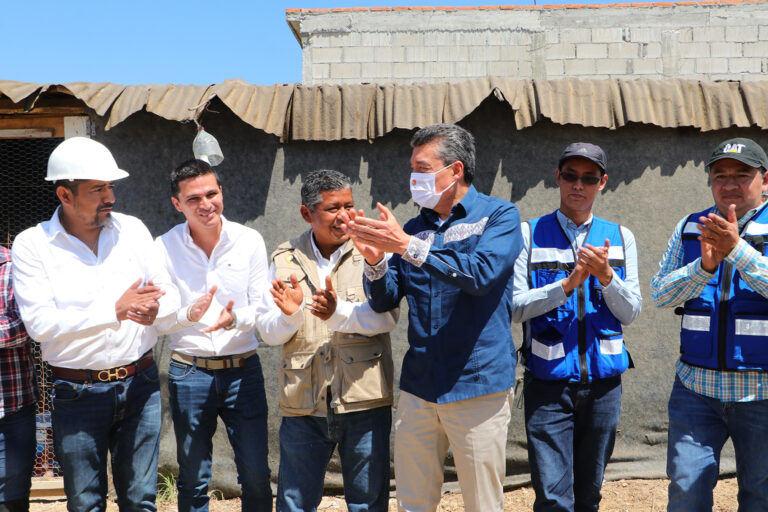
{"points": [[711, 65], [650, 50], [484, 53], [686, 66], [708, 34], [453, 53], [439, 38], [345, 70], [741, 34], [408, 69], [646, 66], [693, 50], [623, 50], [580, 67], [685, 34], [744, 65], [507, 69], [407, 39], [437, 70], [373, 70], [321, 71], [359, 54], [376, 38], [472, 38], [498, 37], [420, 53], [389, 54], [763, 33], [644, 34], [758, 49], [330, 40], [607, 35], [552, 36], [576, 35], [591, 51], [561, 51], [725, 50], [554, 68], [611, 67], [326, 55], [470, 69], [525, 68], [519, 37]]}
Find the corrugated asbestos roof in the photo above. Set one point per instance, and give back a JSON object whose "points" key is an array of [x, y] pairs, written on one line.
{"points": [[368, 111]]}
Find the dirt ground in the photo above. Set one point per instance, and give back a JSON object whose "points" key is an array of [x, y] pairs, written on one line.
{"points": [[619, 496]]}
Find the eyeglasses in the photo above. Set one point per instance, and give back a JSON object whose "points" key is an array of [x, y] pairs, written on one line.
{"points": [[571, 177]]}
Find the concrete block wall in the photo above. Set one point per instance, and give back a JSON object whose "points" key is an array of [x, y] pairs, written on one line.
{"points": [[709, 39]]}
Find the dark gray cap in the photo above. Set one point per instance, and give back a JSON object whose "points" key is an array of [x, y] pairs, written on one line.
{"points": [[745, 151], [584, 150]]}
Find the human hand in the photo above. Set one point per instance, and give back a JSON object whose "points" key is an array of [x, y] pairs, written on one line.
{"points": [[577, 276], [596, 262], [196, 311], [384, 234], [143, 300], [287, 298], [324, 301], [719, 233], [226, 318], [371, 254]]}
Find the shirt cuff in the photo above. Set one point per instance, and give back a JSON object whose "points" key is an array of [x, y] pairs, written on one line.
{"points": [[741, 255], [612, 285], [377, 271], [698, 274], [181, 317], [343, 312], [417, 251]]}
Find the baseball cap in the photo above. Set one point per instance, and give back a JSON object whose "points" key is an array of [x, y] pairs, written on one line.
{"points": [[584, 150], [744, 150]]}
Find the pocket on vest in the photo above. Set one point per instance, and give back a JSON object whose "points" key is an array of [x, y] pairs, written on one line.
{"points": [[750, 341], [363, 369], [296, 377], [695, 335]]}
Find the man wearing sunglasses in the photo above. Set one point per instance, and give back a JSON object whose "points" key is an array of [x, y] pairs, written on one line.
{"points": [[575, 285], [715, 273]]}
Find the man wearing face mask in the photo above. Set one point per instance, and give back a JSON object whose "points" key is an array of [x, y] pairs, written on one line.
{"points": [[454, 264]]}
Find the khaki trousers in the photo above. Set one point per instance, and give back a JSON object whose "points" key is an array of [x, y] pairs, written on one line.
{"points": [[476, 432]]}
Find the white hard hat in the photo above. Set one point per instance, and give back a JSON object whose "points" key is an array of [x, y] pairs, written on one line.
{"points": [[81, 158]]}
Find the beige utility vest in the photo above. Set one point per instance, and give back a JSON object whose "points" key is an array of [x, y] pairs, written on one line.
{"points": [[356, 369]]}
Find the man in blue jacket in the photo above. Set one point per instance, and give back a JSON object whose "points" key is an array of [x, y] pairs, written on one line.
{"points": [[575, 286], [715, 268], [453, 263]]}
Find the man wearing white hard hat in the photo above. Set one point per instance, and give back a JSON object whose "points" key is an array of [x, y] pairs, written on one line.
{"points": [[92, 292]]}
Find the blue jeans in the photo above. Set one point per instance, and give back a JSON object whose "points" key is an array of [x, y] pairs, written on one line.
{"points": [[306, 446], [198, 397], [698, 429], [17, 453], [122, 417], [571, 429]]}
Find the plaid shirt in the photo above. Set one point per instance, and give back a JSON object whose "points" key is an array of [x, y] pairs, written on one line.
{"points": [[676, 283], [18, 385]]}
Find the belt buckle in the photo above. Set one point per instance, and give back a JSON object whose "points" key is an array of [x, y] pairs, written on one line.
{"points": [[112, 374]]}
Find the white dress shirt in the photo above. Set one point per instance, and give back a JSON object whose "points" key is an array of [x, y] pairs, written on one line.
{"points": [[67, 294], [349, 317], [238, 267]]}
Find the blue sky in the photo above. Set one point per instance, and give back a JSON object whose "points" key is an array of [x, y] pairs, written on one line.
{"points": [[164, 41]]}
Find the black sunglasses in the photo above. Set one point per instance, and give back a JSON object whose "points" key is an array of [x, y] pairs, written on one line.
{"points": [[571, 177]]}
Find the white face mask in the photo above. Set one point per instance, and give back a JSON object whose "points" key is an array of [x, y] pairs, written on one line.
{"points": [[423, 188]]}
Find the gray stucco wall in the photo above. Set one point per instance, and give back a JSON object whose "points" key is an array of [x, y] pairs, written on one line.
{"points": [[655, 178]]}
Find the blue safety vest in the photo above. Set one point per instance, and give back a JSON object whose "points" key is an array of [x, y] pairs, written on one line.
{"points": [[726, 327], [580, 340]]}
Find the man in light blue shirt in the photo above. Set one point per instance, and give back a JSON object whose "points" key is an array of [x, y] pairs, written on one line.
{"points": [[575, 285]]}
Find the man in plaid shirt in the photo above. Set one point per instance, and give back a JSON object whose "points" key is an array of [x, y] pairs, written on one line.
{"points": [[715, 267], [18, 392]]}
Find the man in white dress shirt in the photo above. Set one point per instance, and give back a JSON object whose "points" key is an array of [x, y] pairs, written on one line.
{"points": [[90, 287], [336, 372], [214, 369]]}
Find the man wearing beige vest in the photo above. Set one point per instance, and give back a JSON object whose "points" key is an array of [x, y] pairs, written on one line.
{"points": [[336, 372]]}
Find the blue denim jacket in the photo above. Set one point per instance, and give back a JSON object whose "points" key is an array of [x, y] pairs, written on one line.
{"points": [[457, 279]]}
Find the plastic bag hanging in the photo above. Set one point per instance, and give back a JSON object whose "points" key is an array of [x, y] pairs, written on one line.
{"points": [[206, 148]]}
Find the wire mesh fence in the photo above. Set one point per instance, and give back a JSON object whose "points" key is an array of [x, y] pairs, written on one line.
{"points": [[26, 199]]}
